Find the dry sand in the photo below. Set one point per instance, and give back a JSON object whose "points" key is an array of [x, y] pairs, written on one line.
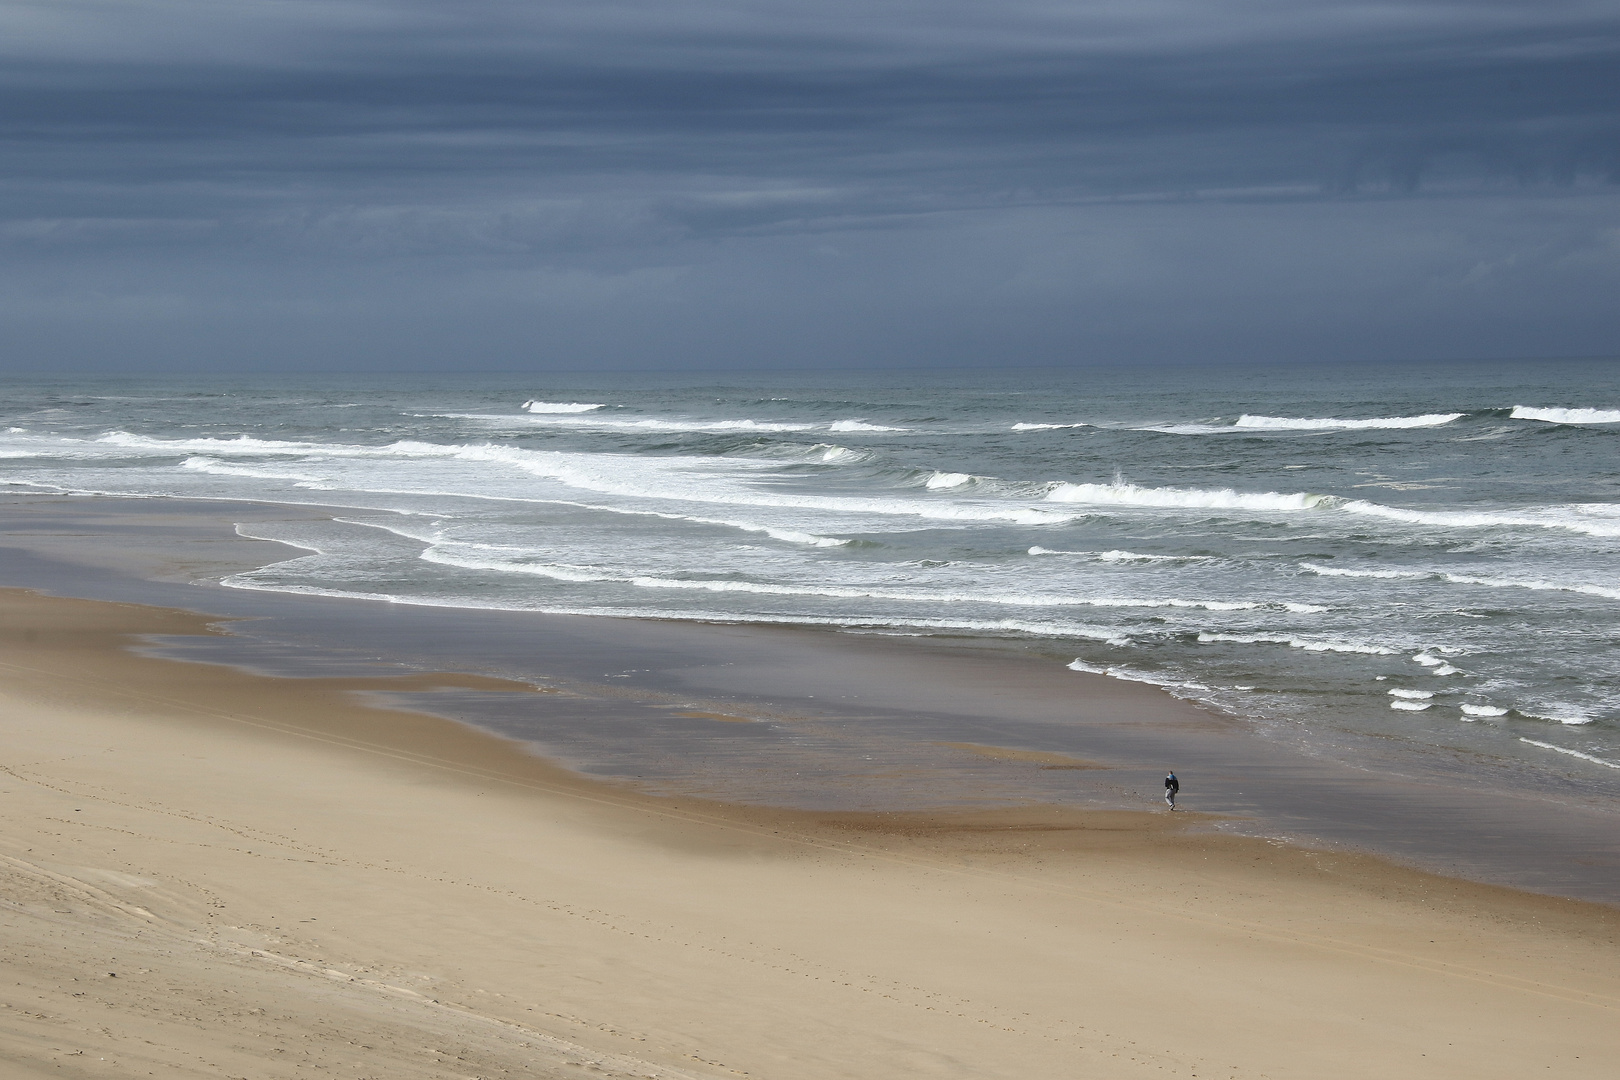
{"points": [[210, 873]]}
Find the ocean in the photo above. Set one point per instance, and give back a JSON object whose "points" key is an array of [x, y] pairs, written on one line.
{"points": [[1424, 553]]}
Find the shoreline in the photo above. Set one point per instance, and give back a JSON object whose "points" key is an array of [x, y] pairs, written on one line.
{"points": [[203, 864], [789, 716]]}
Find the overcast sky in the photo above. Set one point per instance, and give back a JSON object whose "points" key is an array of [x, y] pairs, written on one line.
{"points": [[599, 184]]}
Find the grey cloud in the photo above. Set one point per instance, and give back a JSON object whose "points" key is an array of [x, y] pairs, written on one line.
{"points": [[382, 180]]}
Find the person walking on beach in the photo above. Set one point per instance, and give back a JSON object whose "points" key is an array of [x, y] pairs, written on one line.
{"points": [[1171, 786]]}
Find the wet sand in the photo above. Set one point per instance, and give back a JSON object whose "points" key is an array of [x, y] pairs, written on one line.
{"points": [[212, 872]]}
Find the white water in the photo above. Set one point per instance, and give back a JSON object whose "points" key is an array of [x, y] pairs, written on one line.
{"points": [[1380, 423], [559, 406], [1567, 416], [1257, 568]]}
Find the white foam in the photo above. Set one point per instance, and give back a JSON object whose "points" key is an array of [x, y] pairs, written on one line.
{"points": [[715, 427], [247, 581], [1470, 579], [792, 536], [1567, 715], [1482, 710], [1288, 423], [697, 480], [1117, 555], [241, 444], [1593, 519], [1572, 753], [945, 480], [1412, 695], [1409, 706], [1190, 429], [658, 478], [861, 425], [1129, 675], [576, 573], [1566, 416], [304, 545], [1123, 494], [1533, 584], [1046, 427], [1307, 644], [1335, 571], [1303, 609], [560, 406], [220, 468], [1122, 556]]}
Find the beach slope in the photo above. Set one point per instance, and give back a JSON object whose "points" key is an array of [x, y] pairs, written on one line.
{"points": [[206, 872]]}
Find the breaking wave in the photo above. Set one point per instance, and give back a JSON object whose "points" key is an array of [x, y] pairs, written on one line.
{"points": [[1566, 416], [1389, 575], [1288, 423], [559, 406], [860, 425], [1306, 644], [1533, 584], [1592, 519], [1123, 494], [1252, 424], [1122, 556], [696, 426]]}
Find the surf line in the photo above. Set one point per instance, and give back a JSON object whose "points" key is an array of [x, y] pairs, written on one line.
{"points": [[1572, 753]]}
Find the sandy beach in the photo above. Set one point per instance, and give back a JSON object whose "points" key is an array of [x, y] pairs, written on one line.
{"points": [[214, 873], [694, 541]]}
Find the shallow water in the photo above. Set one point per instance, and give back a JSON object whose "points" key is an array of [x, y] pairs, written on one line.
{"points": [[1424, 554]]}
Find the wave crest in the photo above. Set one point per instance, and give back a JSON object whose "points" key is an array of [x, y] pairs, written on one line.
{"points": [[1123, 494], [560, 406], [1289, 423], [1566, 416], [861, 425]]}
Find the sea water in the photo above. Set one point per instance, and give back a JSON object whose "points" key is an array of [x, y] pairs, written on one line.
{"points": [[1429, 552]]}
